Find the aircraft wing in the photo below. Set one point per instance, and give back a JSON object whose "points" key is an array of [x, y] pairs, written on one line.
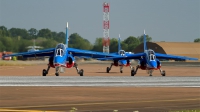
{"points": [[73, 51], [89, 54], [174, 57], [46, 52], [129, 56]]}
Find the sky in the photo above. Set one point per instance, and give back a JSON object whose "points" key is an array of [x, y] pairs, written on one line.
{"points": [[163, 20]]}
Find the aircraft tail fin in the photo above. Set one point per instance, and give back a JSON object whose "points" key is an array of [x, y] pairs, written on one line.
{"points": [[67, 37], [119, 45], [145, 44]]}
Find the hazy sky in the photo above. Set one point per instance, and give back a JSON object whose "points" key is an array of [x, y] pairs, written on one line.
{"points": [[163, 20]]}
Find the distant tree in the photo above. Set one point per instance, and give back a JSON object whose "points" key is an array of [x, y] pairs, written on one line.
{"points": [[2, 47], [132, 43], [76, 41], [15, 32], [33, 32], [113, 45], [74, 38], [124, 46], [46, 33], [23, 44], [7, 43], [49, 43], [40, 39], [4, 31], [54, 34], [60, 37], [98, 46], [197, 40], [141, 38]]}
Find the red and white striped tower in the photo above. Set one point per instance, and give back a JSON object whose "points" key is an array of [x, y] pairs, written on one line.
{"points": [[106, 26]]}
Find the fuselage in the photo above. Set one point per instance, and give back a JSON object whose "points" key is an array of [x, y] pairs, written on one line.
{"points": [[61, 57], [122, 62], [149, 61]]}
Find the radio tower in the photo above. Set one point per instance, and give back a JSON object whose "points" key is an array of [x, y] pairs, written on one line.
{"points": [[106, 26]]}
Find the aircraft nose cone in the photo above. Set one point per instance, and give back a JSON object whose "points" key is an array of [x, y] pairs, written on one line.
{"points": [[153, 64], [124, 62], [58, 59]]}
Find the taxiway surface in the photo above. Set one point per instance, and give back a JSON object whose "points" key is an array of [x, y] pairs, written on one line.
{"points": [[24, 88], [118, 81]]}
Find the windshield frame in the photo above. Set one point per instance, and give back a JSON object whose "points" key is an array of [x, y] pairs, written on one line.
{"points": [[60, 50], [122, 52]]}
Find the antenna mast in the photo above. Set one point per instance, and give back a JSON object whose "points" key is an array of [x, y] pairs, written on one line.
{"points": [[106, 27]]}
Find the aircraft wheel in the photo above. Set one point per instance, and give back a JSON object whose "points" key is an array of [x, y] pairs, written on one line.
{"points": [[108, 69], [163, 73], [57, 74], [121, 71], [81, 72], [132, 72], [44, 72]]}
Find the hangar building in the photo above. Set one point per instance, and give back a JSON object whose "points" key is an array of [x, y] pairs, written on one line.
{"points": [[190, 49]]}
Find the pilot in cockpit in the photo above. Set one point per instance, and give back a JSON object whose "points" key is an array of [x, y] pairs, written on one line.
{"points": [[122, 52], [60, 50], [151, 52]]}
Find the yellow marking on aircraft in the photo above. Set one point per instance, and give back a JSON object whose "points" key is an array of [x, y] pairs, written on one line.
{"points": [[101, 103]]}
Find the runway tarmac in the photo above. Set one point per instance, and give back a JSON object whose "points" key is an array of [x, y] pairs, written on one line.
{"points": [[23, 88], [118, 81]]}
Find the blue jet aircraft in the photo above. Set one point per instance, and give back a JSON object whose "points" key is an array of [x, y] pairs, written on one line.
{"points": [[62, 56], [120, 63], [148, 60]]}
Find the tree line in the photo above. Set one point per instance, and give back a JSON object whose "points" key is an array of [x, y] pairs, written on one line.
{"points": [[17, 40]]}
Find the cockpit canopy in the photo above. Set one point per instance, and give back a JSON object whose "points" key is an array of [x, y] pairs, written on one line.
{"points": [[60, 50], [122, 52], [151, 54]]}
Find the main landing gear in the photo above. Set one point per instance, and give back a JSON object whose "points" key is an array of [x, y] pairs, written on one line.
{"points": [[162, 72], [109, 68], [80, 72], [121, 69], [45, 72], [133, 72], [57, 71]]}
